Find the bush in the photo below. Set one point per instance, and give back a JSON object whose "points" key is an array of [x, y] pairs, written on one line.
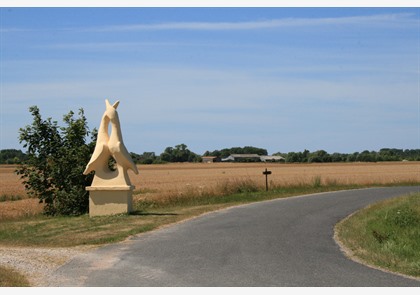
{"points": [[56, 159]]}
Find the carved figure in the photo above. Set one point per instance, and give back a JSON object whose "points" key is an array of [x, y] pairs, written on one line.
{"points": [[110, 146]]}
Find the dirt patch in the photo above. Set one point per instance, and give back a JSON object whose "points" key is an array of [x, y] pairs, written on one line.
{"points": [[39, 264]]}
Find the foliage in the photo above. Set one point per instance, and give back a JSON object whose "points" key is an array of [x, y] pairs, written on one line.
{"points": [[224, 153], [322, 156], [179, 153], [11, 156], [145, 158], [56, 159]]}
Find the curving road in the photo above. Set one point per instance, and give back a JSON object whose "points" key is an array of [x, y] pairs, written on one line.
{"points": [[287, 242]]}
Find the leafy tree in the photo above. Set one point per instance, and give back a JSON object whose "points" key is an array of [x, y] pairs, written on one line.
{"points": [[293, 157], [337, 157], [179, 153], [11, 156], [145, 158], [56, 159], [320, 156], [366, 156], [305, 155], [237, 150]]}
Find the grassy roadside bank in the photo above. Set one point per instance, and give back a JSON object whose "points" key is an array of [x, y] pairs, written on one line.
{"points": [[385, 235]]}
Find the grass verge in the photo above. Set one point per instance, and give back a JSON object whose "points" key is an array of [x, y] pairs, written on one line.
{"points": [[385, 235]]}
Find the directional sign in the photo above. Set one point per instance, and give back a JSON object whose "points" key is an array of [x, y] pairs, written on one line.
{"points": [[266, 173]]}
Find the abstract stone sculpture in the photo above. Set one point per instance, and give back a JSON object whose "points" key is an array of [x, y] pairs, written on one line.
{"points": [[111, 191]]}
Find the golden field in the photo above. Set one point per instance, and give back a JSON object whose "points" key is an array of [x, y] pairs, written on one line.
{"points": [[176, 179]]}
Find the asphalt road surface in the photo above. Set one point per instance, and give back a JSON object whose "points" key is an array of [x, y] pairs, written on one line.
{"points": [[283, 243]]}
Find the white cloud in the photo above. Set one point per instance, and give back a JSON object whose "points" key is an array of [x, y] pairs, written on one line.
{"points": [[400, 19], [383, 20], [182, 95]]}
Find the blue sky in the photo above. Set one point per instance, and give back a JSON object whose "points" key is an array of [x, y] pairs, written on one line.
{"points": [[284, 79]]}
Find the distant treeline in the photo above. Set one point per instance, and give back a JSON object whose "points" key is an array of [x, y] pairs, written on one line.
{"points": [[12, 156], [181, 153], [321, 156]]}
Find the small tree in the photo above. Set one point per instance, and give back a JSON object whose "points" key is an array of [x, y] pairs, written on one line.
{"points": [[56, 159]]}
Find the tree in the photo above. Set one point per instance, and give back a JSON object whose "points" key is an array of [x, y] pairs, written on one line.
{"points": [[56, 159], [145, 158], [11, 156], [366, 156], [226, 152], [293, 157], [179, 153]]}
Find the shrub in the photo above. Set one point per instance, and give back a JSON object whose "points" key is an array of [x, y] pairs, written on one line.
{"points": [[56, 159]]}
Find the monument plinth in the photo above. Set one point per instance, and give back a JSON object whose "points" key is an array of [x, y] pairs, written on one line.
{"points": [[111, 190], [105, 200]]}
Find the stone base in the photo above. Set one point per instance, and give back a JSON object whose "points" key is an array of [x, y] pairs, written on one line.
{"points": [[110, 200]]}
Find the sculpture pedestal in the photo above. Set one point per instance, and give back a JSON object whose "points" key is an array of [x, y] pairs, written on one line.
{"points": [[110, 200]]}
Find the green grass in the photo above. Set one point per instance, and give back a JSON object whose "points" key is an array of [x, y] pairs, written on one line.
{"points": [[386, 234]]}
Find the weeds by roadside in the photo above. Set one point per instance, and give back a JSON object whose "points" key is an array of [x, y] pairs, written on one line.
{"points": [[386, 234]]}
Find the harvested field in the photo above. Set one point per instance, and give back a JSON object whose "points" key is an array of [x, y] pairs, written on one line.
{"points": [[10, 183], [163, 181], [158, 180]]}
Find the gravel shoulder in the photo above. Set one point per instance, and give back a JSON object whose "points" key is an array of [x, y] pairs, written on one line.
{"points": [[39, 264]]}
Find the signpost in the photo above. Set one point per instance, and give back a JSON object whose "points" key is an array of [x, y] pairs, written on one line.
{"points": [[266, 173]]}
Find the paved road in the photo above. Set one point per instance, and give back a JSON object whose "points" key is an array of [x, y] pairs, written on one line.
{"points": [[285, 242]]}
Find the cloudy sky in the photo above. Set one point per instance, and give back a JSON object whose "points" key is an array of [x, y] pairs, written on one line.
{"points": [[284, 79]]}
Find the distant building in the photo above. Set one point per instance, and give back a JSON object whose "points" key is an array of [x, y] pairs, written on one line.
{"points": [[272, 158], [242, 158], [210, 159], [252, 158]]}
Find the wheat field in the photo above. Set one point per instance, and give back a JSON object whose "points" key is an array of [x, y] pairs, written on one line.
{"points": [[164, 181]]}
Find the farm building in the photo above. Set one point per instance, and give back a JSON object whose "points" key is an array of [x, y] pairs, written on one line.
{"points": [[242, 158], [272, 158], [210, 159], [252, 158]]}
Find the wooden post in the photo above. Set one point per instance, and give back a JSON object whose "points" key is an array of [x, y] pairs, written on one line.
{"points": [[266, 173]]}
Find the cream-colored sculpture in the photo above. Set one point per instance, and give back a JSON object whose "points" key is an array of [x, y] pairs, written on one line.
{"points": [[111, 191]]}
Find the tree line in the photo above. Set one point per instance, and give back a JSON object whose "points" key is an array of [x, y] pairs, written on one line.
{"points": [[180, 153], [321, 156]]}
